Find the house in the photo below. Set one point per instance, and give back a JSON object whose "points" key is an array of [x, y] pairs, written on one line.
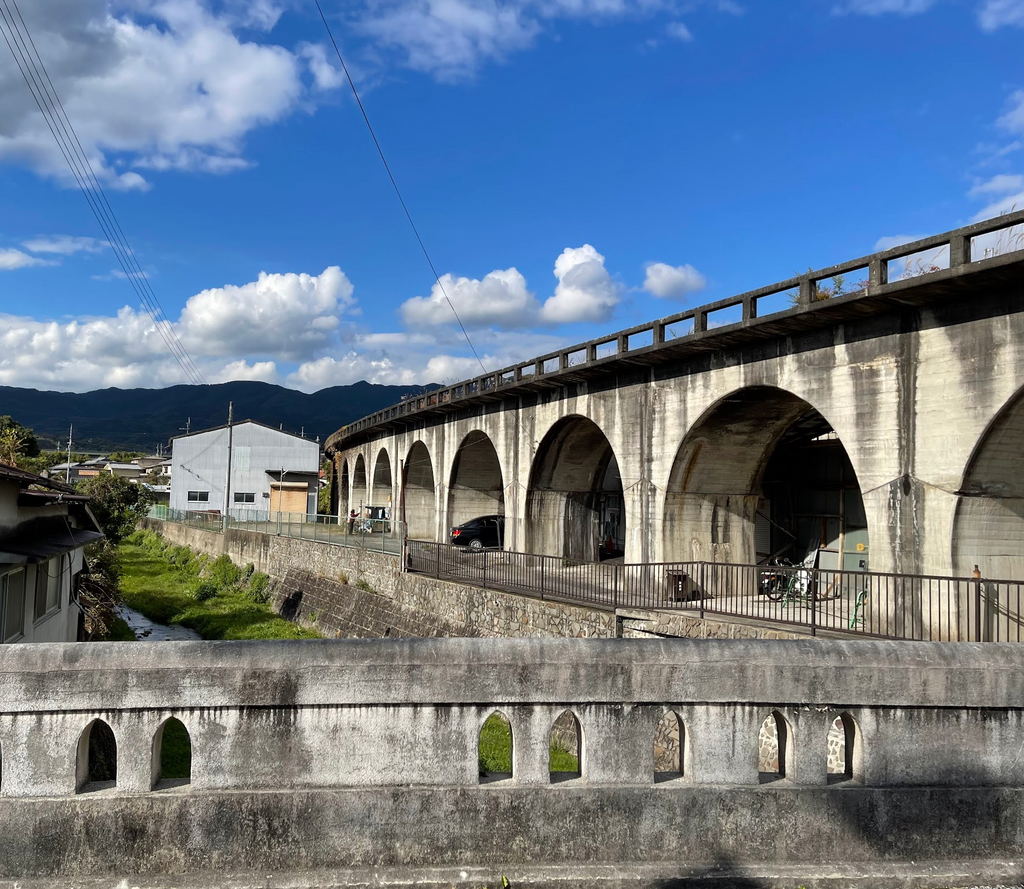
{"points": [[44, 527], [272, 471], [131, 471]]}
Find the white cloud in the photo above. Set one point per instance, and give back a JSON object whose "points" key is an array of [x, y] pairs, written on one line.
{"points": [[995, 14], [1001, 184], [679, 31], [262, 371], [326, 74], [289, 316], [883, 7], [672, 281], [174, 88], [450, 39], [499, 299], [65, 245], [585, 291], [890, 241], [11, 259]]}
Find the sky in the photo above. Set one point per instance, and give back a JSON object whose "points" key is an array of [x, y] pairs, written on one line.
{"points": [[574, 167]]}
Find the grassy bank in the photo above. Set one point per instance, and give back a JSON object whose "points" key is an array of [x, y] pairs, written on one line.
{"points": [[170, 584]]}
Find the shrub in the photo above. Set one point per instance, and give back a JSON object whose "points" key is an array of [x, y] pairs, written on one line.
{"points": [[343, 577], [364, 586], [259, 588], [204, 590], [223, 572], [248, 570]]}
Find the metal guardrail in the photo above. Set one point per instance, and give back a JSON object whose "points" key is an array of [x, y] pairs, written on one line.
{"points": [[383, 536], [814, 600], [893, 269]]}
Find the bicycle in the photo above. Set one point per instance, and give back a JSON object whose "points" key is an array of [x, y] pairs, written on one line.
{"points": [[785, 581]]}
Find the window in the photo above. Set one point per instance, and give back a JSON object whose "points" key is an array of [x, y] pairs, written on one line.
{"points": [[198, 496], [241, 497], [12, 600], [48, 577]]}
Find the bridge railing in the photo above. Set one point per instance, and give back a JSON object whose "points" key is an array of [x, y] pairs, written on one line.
{"points": [[893, 270], [378, 535], [814, 600]]}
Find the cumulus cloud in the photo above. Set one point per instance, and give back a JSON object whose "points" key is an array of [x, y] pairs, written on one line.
{"points": [[1005, 193], [261, 371], [173, 88], [290, 315], [11, 259], [585, 290], [672, 281], [995, 14], [500, 299], [889, 241], [64, 245]]}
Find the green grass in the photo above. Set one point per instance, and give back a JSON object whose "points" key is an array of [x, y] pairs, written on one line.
{"points": [[495, 752], [164, 593], [119, 632], [175, 751]]}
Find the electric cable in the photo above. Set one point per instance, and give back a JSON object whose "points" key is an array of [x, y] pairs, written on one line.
{"points": [[394, 184], [22, 46]]}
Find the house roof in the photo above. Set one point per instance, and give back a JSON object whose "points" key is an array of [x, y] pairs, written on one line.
{"points": [[43, 539], [25, 478], [242, 423], [134, 466]]}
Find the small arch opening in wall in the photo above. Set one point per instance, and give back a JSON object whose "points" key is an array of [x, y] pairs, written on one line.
{"points": [[97, 758], [843, 752], [494, 748], [565, 748], [772, 748], [669, 748], [172, 755]]}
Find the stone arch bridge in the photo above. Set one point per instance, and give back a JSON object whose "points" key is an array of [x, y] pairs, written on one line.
{"points": [[873, 410]]}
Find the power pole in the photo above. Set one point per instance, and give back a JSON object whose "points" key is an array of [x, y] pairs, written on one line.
{"points": [[227, 483], [67, 473]]}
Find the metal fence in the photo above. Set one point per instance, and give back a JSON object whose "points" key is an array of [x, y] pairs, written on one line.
{"points": [[814, 600], [383, 536]]}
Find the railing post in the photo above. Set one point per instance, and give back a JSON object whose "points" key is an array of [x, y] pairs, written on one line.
{"points": [[485, 568], [977, 603], [959, 251], [813, 601], [615, 601], [542, 578], [437, 549], [702, 574]]}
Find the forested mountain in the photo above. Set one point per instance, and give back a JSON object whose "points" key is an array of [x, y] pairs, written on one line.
{"points": [[141, 419]]}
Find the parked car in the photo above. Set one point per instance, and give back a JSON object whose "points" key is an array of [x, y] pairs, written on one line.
{"points": [[486, 530]]}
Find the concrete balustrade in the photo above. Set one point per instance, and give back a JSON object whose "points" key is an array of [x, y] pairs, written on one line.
{"points": [[355, 743]]}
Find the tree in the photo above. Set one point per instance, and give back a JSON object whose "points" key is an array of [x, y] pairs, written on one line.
{"points": [[117, 503], [16, 441], [124, 456]]}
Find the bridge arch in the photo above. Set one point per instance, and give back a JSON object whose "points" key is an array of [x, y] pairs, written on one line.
{"points": [[382, 486], [359, 490], [476, 486], [988, 525], [574, 503], [420, 493], [763, 473]]}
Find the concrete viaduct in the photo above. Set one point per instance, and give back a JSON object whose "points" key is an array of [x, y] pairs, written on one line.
{"points": [[873, 409]]}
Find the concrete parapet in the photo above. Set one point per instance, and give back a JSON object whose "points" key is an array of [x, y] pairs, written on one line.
{"points": [[363, 753]]}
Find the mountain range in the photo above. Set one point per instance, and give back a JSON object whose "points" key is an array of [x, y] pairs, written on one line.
{"points": [[142, 419]]}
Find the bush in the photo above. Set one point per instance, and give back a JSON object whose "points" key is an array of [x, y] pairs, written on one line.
{"points": [[248, 570], [223, 572], [204, 590], [259, 588], [364, 586]]}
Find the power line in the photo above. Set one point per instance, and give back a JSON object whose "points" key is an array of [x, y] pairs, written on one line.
{"points": [[398, 192], [22, 46]]}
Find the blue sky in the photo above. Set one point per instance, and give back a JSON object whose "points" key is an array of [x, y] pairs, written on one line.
{"points": [[574, 166]]}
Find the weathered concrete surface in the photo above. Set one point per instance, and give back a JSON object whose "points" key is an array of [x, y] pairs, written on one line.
{"points": [[922, 381], [317, 755]]}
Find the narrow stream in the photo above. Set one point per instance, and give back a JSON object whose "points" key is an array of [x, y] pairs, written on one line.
{"points": [[147, 631]]}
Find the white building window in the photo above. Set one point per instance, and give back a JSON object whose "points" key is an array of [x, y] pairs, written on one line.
{"points": [[48, 578], [12, 605], [198, 496], [243, 497]]}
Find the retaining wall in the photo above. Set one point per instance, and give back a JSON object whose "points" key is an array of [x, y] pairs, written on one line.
{"points": [[322, 762]]}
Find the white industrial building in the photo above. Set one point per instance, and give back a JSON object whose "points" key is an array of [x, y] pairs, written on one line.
{"points": [[272, 471]]}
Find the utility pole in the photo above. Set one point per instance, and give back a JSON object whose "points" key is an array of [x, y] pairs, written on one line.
{"points": [[67, 473], [227, 483]]}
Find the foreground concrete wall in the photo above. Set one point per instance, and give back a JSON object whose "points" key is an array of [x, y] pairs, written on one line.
{"points": [[316, 754]]}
